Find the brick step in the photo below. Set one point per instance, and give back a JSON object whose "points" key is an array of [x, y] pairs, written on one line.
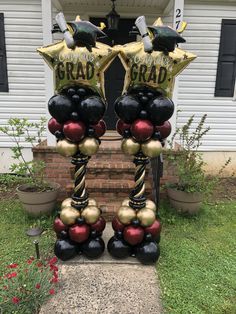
{"points": [[108, 150], [109, 193], [110, 170], [111, 185], [118, 155]]}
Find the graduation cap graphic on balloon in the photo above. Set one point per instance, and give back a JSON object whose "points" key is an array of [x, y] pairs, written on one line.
{"points": [[79, 58], [78, 33]]}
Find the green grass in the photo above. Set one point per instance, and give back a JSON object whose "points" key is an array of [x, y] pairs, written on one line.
{"points": [[15, 246], [197, 267]]}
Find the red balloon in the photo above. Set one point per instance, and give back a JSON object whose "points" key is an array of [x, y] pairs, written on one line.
{"points": [[142, 130], [121, 126], [164, 129], [154, 229], [58, 225], [100, 128], [79, 233], [54, 126], [74, 131], [100, 225], [133, 235], [117, 225]]}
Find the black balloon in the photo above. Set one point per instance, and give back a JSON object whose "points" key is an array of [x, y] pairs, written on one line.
{"points": [[127, 134], [160, 109], [75, 116], [71, 91], [59, 135], [60, 107], [146, 91], [93, 248], [91, 109], [65, 249], [147, 252], [150, 95], [63, 235], [127, 108], [76, 98], [91, 131], [118, 248], [82, 92], [135, 222], [143, 114], [158, 238], [144, 100], [80, 221]]}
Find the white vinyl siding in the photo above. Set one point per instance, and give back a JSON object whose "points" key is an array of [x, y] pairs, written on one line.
{"points": [[23, 33], [197, 82]]}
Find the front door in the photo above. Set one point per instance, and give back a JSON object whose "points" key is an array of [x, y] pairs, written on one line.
{"points": [[115, 74]]}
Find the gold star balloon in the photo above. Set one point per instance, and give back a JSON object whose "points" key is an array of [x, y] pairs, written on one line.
{"points": [[157, 69], [78, 65]]}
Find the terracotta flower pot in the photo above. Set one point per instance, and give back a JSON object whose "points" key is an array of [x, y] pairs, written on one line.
{"points": [[38, 203], [185, 202]]}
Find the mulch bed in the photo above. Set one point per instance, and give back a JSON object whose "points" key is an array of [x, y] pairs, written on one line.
{"points": [[225, 190]]}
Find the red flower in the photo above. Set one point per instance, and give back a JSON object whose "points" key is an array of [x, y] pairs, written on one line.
{"points": [[37, 286], [53, 267], [54, 280], [15, 300], [39, 264], [13, 265], [30, 260], [9, 276], [5, 287], [53, 260], [51, 291], [55, 274]]}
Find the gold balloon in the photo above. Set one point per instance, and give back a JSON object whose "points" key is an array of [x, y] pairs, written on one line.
{"points": [[151, 148], [125, 202], [66, 148], [151, 205], [91, 214], [146, 216], [89, 146], [126, 214], [78, 66], [69, 215], [92, 202], [155, 69], [130, 147], [66, 202]]}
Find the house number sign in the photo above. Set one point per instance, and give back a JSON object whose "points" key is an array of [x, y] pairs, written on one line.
{"points": [[178, 14]]}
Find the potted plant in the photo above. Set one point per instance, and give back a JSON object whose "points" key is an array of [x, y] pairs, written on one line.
{"points": [[187, 194], [37, 195]]}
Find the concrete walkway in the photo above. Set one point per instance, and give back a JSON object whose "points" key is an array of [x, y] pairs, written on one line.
{"points": [[106, 286]]}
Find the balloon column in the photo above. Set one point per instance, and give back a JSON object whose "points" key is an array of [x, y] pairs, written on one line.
{"points": [[144, 110], [77, 108]]}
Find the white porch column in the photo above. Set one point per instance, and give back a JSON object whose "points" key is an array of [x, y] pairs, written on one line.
{"points": [[47, 39], [177, 19]]}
